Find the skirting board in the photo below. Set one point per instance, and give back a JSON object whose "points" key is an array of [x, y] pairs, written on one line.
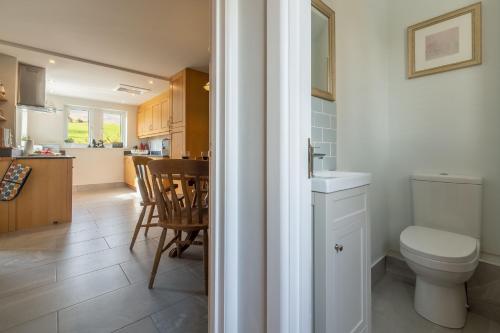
{"points": [[483, 288], [95, 187]]}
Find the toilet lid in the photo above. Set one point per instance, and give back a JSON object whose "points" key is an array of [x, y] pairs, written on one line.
{"points": [[439, 245]]}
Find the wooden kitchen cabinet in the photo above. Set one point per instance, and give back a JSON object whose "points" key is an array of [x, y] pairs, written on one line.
{"points": [[129, 176], [153, 117], [181, 113], [178, 99], [46, 197], [177, 143]]}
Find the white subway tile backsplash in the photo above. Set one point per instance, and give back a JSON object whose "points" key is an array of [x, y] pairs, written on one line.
{"points": [[324, 133], [330, 108], [316, 134], [330, 163], [316, 104], [321, 120], [329, 135]]}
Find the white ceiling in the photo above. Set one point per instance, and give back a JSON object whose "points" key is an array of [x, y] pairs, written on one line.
{"points": [[159, 37]]}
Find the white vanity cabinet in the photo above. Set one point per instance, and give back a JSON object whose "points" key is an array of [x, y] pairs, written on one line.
{"points": [[342, 261]]}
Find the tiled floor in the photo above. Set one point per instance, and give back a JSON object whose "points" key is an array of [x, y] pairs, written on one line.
{"points": [[82, 277], [393, 312]]}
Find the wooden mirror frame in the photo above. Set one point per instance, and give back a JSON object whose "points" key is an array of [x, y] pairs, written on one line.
{"points": [[330, 14]]}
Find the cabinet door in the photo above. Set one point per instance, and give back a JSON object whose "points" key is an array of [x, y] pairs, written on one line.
{"points": [[129, 172], [178, 101], [148, 120], [140, 122], [165, 115], [156, 110], [177, 144], [346, 275]]}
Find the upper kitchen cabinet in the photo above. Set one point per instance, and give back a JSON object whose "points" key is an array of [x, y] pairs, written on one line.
{"points": [[180, 113], [153, 117], [190, 113]]}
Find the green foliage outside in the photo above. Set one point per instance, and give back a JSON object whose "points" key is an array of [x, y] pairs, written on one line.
{"points": [[111, 133], [79, 132]]}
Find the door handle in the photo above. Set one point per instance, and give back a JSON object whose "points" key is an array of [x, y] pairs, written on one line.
{"points": [[339, 248]]}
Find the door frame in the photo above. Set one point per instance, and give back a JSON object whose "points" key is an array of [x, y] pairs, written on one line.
{"points": [[289, 210], [223, 249], [289, 213]]}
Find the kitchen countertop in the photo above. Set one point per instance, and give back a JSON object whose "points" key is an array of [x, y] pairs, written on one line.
{"points": [[61, 157]]}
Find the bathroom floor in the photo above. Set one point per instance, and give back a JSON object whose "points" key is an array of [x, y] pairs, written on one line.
{"points": [[393, 312]]}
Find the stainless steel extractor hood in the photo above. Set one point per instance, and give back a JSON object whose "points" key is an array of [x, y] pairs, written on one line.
{"points": [[31, 86]]}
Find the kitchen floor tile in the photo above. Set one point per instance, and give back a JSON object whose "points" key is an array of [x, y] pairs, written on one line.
{"points": [[145, 325], [127, 305], [37, 302], [45, 324]]}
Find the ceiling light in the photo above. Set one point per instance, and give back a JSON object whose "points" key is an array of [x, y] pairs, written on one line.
{"points": [[151, 82], [52, 61]]}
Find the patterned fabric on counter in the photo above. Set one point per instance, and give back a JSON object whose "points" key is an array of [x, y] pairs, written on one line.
{"points": [[13, 181]]}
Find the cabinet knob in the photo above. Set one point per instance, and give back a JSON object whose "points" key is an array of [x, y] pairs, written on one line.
{"points": [[339, 248]]}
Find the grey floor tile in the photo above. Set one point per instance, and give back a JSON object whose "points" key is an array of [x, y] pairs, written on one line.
{"points": [[127, 305], [45, 324], [140, 270], [393, 312], [124, 238], [83, 264], [145, 325], [37, 302], [189, 315], [33, 258], [20, 281]]}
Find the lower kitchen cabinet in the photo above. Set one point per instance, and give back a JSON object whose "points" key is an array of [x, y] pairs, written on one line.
{"points": [[342, 293]]}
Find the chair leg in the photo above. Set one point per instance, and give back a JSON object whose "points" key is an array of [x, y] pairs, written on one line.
{"points": [[157, 258], [205, 258], [179, 244], [150, 218], [138, 227]]}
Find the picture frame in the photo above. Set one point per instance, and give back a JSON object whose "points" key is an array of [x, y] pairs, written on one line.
{"points": [[444, 43]]}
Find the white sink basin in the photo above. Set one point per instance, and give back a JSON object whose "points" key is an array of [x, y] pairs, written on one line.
{"points": [[334, 181]]}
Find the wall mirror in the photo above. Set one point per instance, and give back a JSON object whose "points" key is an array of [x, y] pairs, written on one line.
{"points": [[322, 50]]}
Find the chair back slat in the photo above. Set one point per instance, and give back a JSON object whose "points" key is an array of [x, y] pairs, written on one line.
{"points": [[143, 180], [189, 174]]}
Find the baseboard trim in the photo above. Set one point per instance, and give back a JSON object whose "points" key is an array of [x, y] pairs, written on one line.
{"points": [[94, 187], [378, 270]]}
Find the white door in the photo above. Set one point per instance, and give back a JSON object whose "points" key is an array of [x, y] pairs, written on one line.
{"points": [[346, 307]]}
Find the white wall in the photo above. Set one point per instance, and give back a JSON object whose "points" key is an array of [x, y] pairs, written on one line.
{"points": [[50, 127], [444, 122], [97, 166], [362, 102]]}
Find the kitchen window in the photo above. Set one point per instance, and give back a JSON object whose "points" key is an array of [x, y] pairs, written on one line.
{"points": [[112, 127], [83, 124], [78, 127]]}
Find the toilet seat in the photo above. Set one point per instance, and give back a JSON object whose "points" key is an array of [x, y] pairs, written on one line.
{"points": [[439, 249]]}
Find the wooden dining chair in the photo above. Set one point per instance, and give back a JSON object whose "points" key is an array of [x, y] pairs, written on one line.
{"points": [[147, 197], [190, 215]]}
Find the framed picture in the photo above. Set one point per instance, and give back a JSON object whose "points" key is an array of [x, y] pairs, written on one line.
{"points": [[444, 43]]}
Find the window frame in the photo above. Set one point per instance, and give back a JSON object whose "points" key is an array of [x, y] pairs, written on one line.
{"points": [[123, 124], [96, 123], [67, 110]]}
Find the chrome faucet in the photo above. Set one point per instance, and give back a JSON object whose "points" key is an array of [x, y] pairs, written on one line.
{"points": [[311, 156]]}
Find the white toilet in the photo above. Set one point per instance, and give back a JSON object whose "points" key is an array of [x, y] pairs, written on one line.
{"points": [[442, 248]]}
